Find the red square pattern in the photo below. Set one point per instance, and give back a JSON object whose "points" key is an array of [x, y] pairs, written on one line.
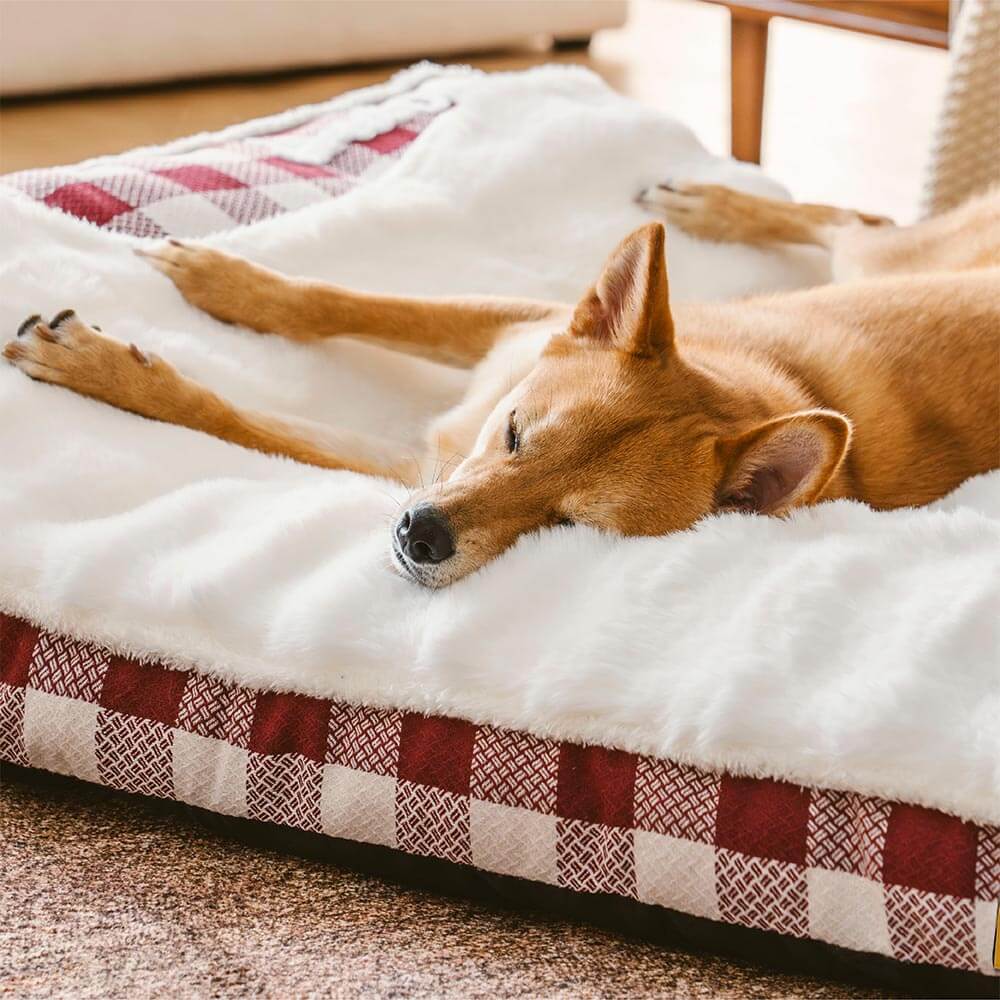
{"points": [[299, 169], [197, 177], [17, 645], [928, 850], [87, 201], [596, 785], [436, 751], [290, 723], [763, 818], [143, 690], [389, 142]]}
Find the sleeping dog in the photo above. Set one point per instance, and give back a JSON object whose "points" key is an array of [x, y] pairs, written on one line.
{"points": [[622, 412]]}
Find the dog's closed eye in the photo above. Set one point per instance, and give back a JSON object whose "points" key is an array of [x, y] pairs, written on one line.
{"points": [[513, 438]]}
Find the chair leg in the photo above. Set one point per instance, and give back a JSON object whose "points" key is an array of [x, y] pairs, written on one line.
{"points": [[748, 43]]}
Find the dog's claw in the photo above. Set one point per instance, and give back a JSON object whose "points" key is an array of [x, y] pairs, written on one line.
{"points": [[61, 317], [28, 324], [140, 356], [44, 332]]}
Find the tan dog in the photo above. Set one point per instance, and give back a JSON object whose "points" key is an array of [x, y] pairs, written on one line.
{"points": [[623, 413]]}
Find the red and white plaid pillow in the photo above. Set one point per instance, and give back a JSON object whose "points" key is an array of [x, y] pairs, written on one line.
{"points": [[216, 186]]}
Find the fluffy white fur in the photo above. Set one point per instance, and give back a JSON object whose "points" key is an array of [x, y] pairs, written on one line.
{"points": [[843, 647]]}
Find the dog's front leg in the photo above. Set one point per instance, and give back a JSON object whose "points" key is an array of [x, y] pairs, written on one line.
{"points": [[457, 331], [69, 353]]}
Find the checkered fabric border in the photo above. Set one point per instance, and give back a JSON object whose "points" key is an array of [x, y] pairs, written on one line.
{"points": [[859, 872], [215, 187]]}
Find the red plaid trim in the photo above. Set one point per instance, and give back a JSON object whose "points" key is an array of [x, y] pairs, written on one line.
{"points": [[761, 892], [286, 789], [768, 819], [135, 754], [925, 849], [515, 769], [147, 691], [593, 857], [68, 668], [17, 646], [926, 927], [432, 821], [365, 739], [676, 800], [290, 724], [436, 751], [597, 785], [846, 832], [212, 188], [12, 746], [853, 870], [216, 710]]}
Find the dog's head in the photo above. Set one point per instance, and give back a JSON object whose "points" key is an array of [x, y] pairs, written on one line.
{"points": [[613, 428]]}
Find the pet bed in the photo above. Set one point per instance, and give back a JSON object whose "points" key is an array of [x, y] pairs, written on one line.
{"points": [[784, 726]]}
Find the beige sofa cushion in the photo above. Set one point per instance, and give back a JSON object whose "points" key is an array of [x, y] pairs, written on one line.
{"points": [[95, 43]]}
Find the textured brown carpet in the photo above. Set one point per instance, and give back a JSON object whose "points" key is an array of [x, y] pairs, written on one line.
{"points": [[102, 895]]}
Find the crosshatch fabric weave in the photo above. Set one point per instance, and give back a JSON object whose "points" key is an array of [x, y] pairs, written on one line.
{"points": [[863, 873]]}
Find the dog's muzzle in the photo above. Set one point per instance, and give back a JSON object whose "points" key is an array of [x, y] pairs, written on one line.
{"points": [[423, 537]]}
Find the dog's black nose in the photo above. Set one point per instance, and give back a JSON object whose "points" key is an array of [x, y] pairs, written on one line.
{"points": [[424, 535]]}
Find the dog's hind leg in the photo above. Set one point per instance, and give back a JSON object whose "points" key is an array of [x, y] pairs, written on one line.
{"points": [[456, 331], [861, 245], [69, 353], [965, 238], [724, 215]]}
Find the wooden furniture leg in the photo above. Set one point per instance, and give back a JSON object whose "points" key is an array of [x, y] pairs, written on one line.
{"points": [[922, 21], [748, 43]]}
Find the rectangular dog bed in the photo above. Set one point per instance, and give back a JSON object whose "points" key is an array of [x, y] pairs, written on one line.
{"points": [[782, 726]]}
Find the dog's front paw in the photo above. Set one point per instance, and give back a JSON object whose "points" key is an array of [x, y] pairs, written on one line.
{"points": [[681, 203], [66, 351], [224, 286], [49, 352]]}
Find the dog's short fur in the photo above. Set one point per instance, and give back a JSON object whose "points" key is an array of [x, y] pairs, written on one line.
{"points": [[622, 412]]}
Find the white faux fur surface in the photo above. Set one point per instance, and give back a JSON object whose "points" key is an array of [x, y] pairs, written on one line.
{"points": [[843, 647]]}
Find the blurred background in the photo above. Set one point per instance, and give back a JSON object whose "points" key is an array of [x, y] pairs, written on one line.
{"points": [[837, 98]]}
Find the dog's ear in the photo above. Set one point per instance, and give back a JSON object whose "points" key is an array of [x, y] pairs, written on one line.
{"points": [[629, 309], [783, 462]]}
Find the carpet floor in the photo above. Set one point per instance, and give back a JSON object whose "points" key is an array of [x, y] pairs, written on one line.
{"points": [[104, 895]]}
